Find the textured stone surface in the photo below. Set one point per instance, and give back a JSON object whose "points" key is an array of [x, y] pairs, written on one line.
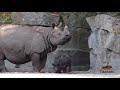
{"points": [[34, 18], [104, 42]]}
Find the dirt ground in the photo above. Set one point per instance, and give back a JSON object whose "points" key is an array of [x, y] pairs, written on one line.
{"points": [[26, 69], [23, 68]]}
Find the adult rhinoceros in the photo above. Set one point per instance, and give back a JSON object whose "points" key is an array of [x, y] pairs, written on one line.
{"points": [[21, 44]]}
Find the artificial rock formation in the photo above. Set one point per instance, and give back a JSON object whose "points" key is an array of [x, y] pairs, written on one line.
{"points": [[35, 18], [104, 42]]}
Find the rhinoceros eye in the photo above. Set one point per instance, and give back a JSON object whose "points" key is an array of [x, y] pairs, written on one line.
{"points": [[58, 34]]}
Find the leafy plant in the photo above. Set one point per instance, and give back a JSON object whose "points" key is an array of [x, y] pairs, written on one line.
{"points": [[5, 17]]}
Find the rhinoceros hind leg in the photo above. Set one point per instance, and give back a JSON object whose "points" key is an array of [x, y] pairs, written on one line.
{"points": [[2, 66]]}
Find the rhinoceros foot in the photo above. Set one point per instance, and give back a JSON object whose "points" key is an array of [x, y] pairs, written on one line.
{"points": [[17, 66]]}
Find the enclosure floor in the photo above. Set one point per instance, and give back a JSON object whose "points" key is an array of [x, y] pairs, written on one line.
{"points": [[27, 69], [23, 68]]}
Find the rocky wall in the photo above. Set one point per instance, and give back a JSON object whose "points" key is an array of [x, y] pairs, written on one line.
{"points": [[104, 42]]}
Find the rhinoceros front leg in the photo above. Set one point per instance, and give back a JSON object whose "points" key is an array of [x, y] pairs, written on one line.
{"points": [[2, 66], [38, 62]]}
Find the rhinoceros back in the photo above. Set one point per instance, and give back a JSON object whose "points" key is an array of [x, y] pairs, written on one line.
{"points": [[16, 41]]}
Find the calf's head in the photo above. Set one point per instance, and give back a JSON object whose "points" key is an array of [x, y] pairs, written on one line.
{"points": [[60, 34]]}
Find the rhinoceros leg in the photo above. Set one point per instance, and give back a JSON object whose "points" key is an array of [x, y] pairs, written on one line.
{"points": [[2, 66], [38, 62], [2, 63], [17, 66], [65, 69], [69, 67]]}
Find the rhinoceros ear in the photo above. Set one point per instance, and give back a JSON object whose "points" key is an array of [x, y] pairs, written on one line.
{"points": [[53, 25]]}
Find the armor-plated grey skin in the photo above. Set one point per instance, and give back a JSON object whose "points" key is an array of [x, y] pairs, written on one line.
{"points": [[61, 63], [21, 44]]}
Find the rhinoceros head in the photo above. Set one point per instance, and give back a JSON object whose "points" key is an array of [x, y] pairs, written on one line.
{"points": [[60, 34]]}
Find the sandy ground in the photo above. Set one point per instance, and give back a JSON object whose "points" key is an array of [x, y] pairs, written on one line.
{"points": [[26, 69]]}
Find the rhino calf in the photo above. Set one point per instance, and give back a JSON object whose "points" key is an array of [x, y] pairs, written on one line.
{"points": [[21, 44], [61, 63]]}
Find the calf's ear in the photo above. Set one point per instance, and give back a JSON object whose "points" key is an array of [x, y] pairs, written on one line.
{"points": [[53, 25]]}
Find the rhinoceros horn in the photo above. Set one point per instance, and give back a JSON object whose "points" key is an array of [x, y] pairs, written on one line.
{"points": [[61, 22]]}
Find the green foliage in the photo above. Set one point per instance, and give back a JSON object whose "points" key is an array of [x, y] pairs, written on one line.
{"points": [[5, 17]]}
